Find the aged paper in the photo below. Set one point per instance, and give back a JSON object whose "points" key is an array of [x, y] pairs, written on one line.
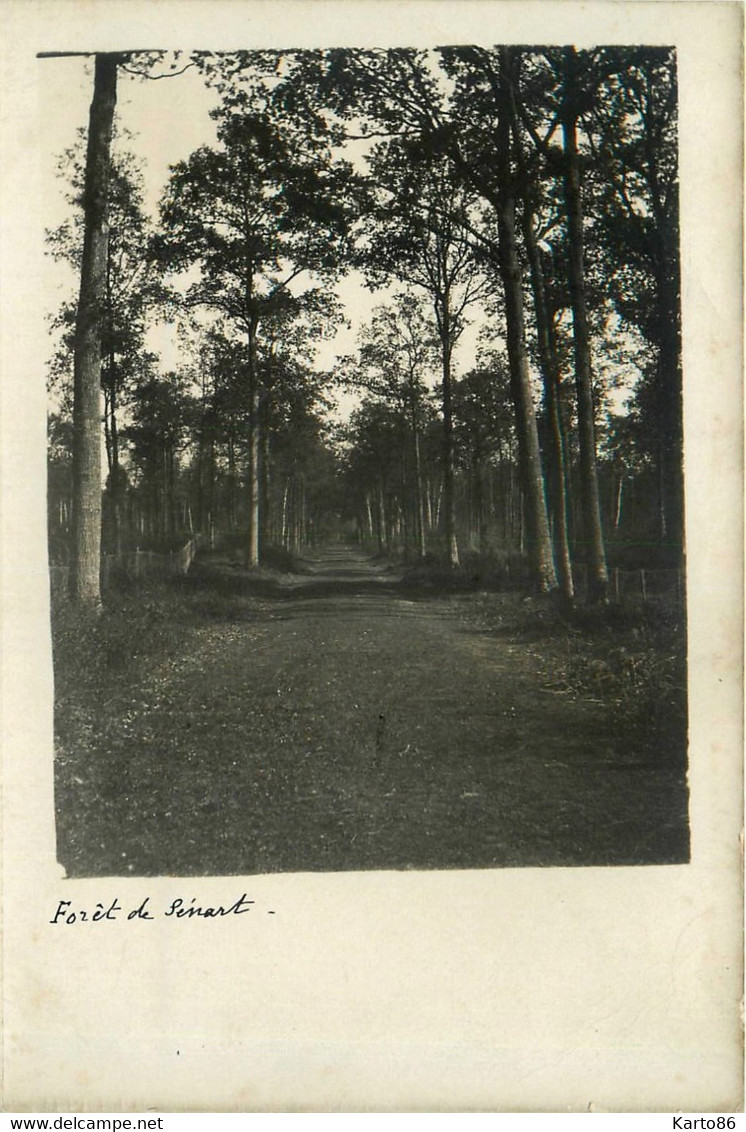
{"points": [[534, 990]]}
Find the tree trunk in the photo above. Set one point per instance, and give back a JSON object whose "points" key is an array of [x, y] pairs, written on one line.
{"points": [[303, 528], [369, 515], [284, 518], [402, 504], [252, 558], [172, 490], [436, 505], [86, 471], [264, 509], [383, 536], [537, 533], [449, 501], [479, 506], [117, 475], [420, 524], [598, 574], [429, 505], [618, 505], [210, 491], [252, 552], [165, 501], [550, 377], [107, 430], [232, 492]]}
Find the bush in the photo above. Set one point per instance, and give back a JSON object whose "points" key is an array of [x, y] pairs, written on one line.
{"points": [[138, 622], [277, 558], [631, 659], [638, 671]]}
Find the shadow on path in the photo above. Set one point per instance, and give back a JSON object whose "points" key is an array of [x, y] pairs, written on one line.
{"points": [[338, 571], [324, 720]]}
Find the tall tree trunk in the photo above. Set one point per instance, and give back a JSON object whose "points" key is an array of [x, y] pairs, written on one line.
{"points": [[117, 475], [449, 500], [436, 505], [232, 483], [537, 535], [618, 504], [172, 519], [109, 374], [210, 491], [165, 496], [264, 509], [284, 516], [420, 518], [598, 573], [303, 523], [252, 552], [479, 508], [86, 471], [369, 515], [383, 534], [253, 475], [204, 456], [550, 377], [107, 429]]}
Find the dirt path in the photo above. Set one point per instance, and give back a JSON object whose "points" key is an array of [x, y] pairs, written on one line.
{"points": [[344, 723]]}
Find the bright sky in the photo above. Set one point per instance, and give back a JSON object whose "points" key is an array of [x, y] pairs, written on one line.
{"points": [[170, 119]]}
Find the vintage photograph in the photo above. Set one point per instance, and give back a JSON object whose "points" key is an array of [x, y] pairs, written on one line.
{"points": [[371, 475], [365, 468]]}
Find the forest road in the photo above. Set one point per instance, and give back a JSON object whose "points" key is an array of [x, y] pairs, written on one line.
{"points": [[344, 721]]}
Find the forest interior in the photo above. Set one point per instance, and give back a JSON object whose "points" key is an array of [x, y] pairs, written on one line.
{"points": [[365, 465]]}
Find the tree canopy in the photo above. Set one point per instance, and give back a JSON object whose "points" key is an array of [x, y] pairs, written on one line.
{"points": [[531, 190]]}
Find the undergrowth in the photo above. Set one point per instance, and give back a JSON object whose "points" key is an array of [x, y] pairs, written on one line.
{"points": [[136, 624], [631, 658], [142, 621]]}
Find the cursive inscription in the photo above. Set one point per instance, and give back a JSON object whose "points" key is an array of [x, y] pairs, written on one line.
{"points": [[178, 909]]}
